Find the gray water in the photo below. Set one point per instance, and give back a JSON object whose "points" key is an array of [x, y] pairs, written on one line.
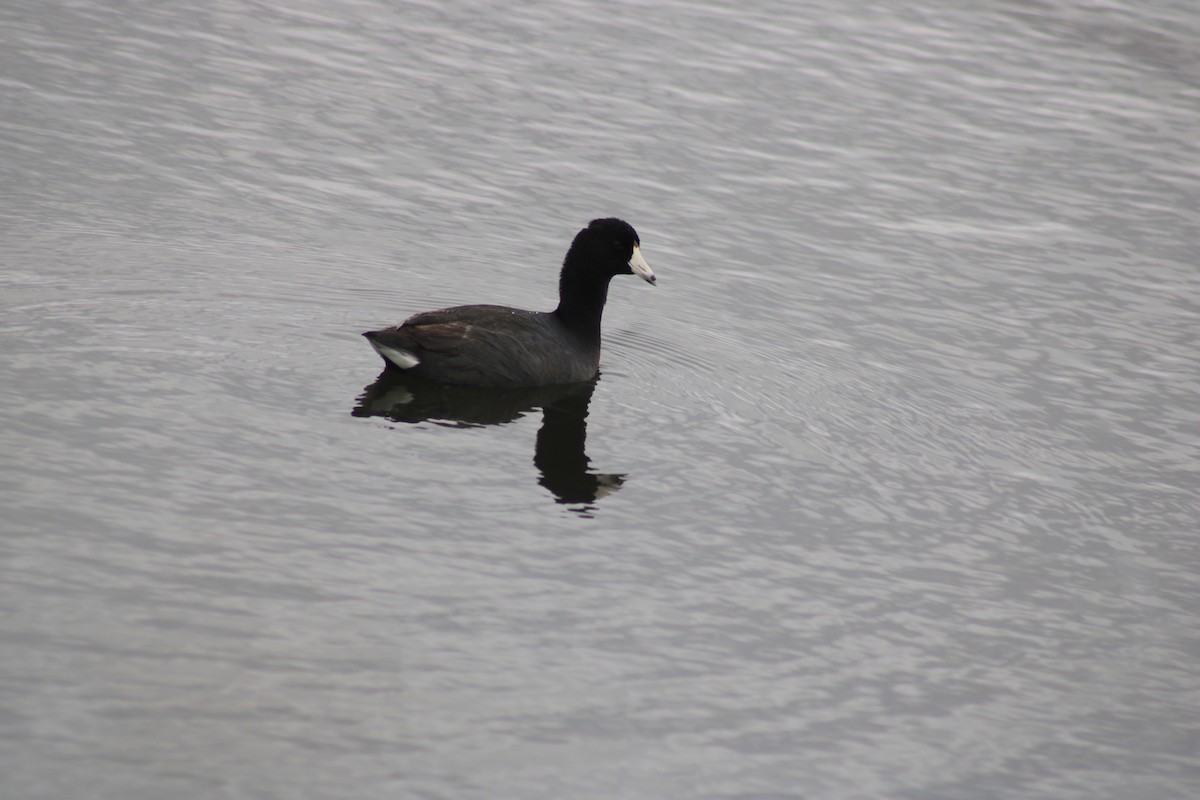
{"points": [[889, 488]]}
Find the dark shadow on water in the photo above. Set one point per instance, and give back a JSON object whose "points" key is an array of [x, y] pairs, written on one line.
{"points": [[559, 453]]}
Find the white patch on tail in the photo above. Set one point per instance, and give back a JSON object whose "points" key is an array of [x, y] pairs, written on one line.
{"points": [[401, 358]]}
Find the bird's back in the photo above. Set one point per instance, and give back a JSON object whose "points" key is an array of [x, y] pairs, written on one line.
{"points": [[488, 345]]}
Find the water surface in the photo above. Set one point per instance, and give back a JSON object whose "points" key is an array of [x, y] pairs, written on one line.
{"points": [[888, 489]]}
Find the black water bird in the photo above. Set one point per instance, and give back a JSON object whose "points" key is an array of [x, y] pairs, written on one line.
{"points": [[498, 346]]}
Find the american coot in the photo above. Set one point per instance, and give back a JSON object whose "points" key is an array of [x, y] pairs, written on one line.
{"points": [[488, 345]]}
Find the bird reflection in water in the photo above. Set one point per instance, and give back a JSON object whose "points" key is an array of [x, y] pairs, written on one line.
{"points": [[559, 454]]}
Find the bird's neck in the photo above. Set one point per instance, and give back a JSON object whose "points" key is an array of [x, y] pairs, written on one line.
{"points": [[581, 302]]}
